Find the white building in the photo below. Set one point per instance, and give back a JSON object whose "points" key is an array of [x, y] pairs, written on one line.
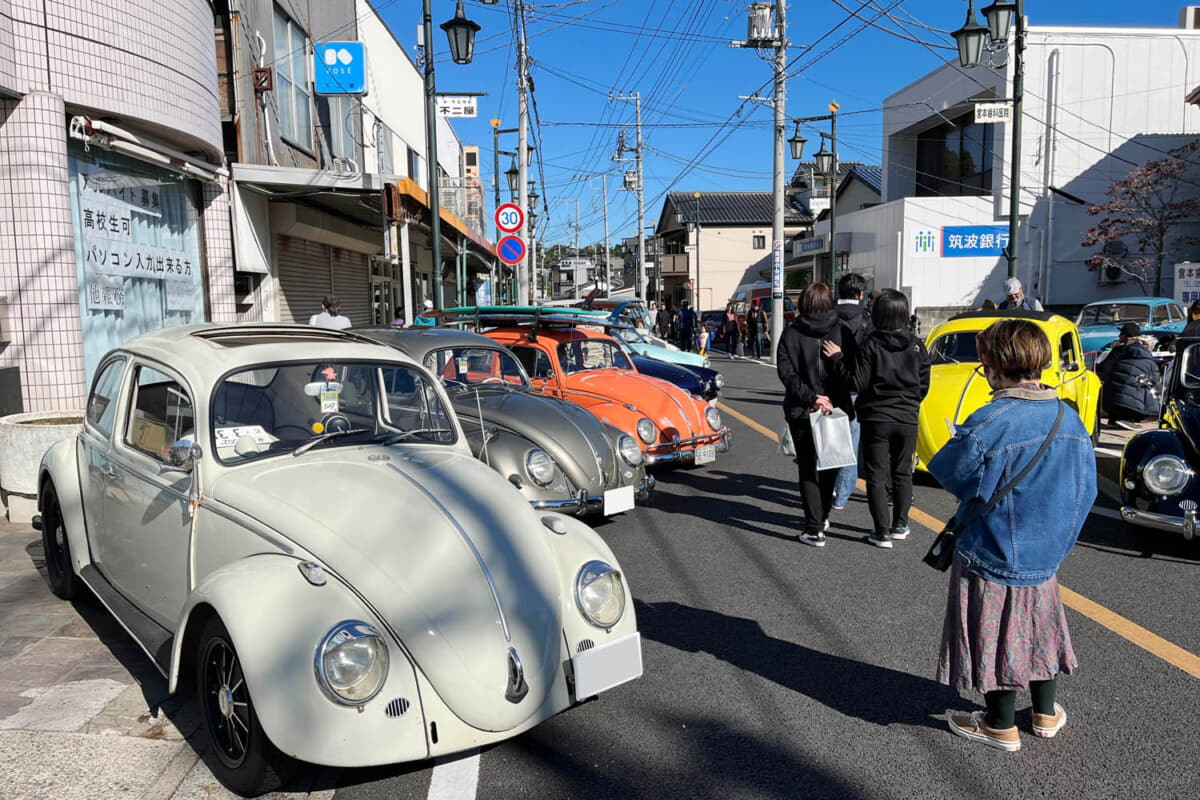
{"points": [[1097, 102]]}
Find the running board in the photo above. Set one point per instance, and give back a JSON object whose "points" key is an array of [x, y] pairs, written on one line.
{"points": [[153, 638]]}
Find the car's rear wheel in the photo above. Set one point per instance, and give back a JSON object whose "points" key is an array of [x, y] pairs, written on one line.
{"points": [[60, 574], [244, 758]]}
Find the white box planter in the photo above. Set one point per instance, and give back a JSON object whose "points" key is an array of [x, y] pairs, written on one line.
{"points": [[24, 439]]}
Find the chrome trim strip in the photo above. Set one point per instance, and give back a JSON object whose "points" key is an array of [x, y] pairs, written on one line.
{"points": [[640, 490], [1162, 522], [474, 550]]}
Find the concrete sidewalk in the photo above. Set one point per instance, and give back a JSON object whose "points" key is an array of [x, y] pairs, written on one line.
{"points": [[83, 712]]}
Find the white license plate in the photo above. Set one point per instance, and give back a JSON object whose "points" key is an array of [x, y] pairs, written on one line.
{"points": [[706, 454], [618, 500], [608, 665]]}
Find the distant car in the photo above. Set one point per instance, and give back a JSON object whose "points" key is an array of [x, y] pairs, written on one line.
{"points": [[1100, 323], [290, 519], [1160, 489], [703, 382], [957, 387], [558, 455]]}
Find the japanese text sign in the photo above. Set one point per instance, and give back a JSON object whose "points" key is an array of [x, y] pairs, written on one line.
{"points": [[974, 241]]}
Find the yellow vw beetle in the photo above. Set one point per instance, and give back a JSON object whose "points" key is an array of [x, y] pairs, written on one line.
{"points": [[957, 386]]}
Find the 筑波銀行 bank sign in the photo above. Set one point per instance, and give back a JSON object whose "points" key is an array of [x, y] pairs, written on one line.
{"points": [[960, 241]]}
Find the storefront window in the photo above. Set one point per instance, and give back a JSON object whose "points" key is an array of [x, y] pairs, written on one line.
{"points": [[137, 249], [955, 159]]}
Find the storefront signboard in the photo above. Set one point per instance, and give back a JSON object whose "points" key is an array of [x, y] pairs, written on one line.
{"points": [[1187, 282], [974, 241]]}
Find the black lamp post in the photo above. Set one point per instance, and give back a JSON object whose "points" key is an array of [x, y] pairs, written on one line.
{"points": [[827, 164], [971, 40], [461, 33], [513, 174], [797, 142]]}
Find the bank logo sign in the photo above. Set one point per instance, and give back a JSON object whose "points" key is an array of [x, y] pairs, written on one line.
{"points": [[925, 243], [960, 241]]}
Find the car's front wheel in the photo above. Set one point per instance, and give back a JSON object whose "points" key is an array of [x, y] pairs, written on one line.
{"points": [[244, 758], [59, 572]]}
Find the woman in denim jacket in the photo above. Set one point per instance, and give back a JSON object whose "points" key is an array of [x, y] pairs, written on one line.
{"points": [[1005, 628]]}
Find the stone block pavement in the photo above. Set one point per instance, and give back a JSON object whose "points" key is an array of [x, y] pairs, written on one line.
{"points": [[83, 711]]}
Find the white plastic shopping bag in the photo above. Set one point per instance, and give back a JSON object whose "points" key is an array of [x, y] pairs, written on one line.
{"points": [[832, 439], [786, 446]]}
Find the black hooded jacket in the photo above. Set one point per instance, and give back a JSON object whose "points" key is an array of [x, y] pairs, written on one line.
{"points": [[857, 320], [891, 375], [804, 371], [1122, 388]]}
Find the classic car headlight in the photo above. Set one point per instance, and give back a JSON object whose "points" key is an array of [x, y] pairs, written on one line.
{"points": [[720, 380], [707, 364], [352, 662], [540, 467], [714, 418], [600, 594], [629, 450], [1166, 475], [646, 430]]}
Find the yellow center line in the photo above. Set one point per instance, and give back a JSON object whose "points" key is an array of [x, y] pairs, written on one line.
{"points": [[1127, 629]]}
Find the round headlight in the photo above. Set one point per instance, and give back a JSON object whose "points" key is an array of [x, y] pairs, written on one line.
{"points": [[540, 467], [646, 431], [600, 594], [714, 418], [720, 379], [352, 663], [707, 364], [629, 450], [1166, 475]]}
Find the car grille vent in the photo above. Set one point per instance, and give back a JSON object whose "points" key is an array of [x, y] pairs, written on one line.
{"points": [[1188, 505], [584, 644], [397, 707]]}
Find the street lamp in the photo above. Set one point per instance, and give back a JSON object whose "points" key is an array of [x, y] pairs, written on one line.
{"points": [[827, 165], [461, 32], [971, 40], [514, 176], [797, 143], [824, 158], [533, 197]]}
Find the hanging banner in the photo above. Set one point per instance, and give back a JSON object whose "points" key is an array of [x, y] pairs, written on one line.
{"points": [[129, 260]]}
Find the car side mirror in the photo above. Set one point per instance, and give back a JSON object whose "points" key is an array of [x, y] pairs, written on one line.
{"points": [[1071, 366], [184, 454]]}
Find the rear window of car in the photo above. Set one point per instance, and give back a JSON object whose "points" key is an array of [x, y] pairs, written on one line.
{"points": [[1114, 314], [955, 348]]}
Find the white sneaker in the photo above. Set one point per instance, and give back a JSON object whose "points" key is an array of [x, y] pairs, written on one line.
{"points": [[899, 534], [813, 539]]}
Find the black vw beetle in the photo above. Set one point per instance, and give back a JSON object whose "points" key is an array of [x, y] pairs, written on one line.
{"points": [[1159, 487]]}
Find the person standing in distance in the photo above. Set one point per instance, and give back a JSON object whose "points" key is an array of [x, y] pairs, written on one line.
{"points": [[891, 375], [858, 325], [1015, 299], [729, 329], [1005, 629], [810, 383], [756, 325], [685, 322], [329, 317], [662, 320]]}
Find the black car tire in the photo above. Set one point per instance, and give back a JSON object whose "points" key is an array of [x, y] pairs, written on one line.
{"points": [[60, 574], [243, 758]]}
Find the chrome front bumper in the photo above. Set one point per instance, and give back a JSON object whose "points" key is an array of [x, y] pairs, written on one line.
{"points": [[1185, 525], [684, 450], [584, 503]]}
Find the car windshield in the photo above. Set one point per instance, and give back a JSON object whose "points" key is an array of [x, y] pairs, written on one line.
{"points": [[631, 335], [278, 408], [460, 367], [1113, 314], [955, 348], [1188, 364], [588, 354]]}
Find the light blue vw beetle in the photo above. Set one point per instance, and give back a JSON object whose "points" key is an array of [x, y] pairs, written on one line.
{"points": [[1099, 323]]}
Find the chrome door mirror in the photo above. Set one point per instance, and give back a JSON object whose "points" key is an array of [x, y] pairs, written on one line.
{"points": [[183, 455]]}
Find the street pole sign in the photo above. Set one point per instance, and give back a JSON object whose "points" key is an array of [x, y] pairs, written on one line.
{"points": [[457, 105], [777, 271], [511, 250], [991, 113], [510, 218]]}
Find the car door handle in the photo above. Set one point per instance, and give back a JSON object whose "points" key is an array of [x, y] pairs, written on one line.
{"points": [[111, 472]]}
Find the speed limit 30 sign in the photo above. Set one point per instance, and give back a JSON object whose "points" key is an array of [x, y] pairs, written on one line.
{"points": [[510, 218]]}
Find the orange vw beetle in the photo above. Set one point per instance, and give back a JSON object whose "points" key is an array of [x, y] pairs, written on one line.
{"points": [[589, 368]]}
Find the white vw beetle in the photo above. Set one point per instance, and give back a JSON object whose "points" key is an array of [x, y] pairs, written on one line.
{"points": [[292, 518]]}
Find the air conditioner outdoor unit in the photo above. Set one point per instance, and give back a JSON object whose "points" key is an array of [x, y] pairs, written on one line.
{"points": [[1110, 276]]}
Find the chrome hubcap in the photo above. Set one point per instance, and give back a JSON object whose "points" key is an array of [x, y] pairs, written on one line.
{"points": [[225, 701], [58, 536]]}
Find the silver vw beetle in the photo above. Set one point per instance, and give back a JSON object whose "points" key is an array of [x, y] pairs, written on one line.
{"points": [[560, 455], [292, 519]]}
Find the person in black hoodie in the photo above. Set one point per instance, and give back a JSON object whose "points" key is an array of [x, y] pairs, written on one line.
{"points": [[857, 326], [1131, 385], [810, 384], [891, 375]]}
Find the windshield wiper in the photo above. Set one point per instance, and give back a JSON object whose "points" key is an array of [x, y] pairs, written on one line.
{"points": [[391, 438], [325, 437]]}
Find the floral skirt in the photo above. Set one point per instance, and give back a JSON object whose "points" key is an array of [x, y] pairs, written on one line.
{"points": [[1000, 637]]}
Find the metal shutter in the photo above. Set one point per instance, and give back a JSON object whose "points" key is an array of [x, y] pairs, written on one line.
{"points": [[303, 278], [352, 285]]}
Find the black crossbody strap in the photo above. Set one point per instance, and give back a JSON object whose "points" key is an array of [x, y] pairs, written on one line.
{"points": [[1007, 488]]}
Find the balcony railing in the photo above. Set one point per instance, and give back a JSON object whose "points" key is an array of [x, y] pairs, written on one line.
{"points": [[674, 263], [459, 197]]}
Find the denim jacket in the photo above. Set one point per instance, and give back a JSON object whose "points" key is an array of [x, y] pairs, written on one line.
{"points": [[1024, 539]]}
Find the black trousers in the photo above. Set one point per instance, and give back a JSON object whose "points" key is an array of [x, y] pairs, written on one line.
{"points": [[687, 339], [756, 342], [816, 488], [731, 343], [887, 453]]}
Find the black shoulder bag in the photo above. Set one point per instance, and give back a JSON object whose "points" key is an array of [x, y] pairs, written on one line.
{"points": [[941, 553]]}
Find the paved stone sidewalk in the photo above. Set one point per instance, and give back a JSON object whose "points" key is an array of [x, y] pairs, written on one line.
{"points": [[83, 712]]}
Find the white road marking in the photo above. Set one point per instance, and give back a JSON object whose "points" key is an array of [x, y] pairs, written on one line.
{"points": [[457, 779], [66, 707]]}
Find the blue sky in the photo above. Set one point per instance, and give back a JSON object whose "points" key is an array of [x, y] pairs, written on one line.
{"points": [[676, 53]]}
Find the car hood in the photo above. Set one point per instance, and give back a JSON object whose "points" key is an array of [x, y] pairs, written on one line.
{"points": [[683, 377], [572, 436], [1093, 337], [452, 558], [955, 392], [675, 356], [672, 409]]}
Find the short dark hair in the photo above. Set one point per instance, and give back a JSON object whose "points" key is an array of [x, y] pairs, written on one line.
{"points": [[1015, 348], [816, 298], [890, 312], [330, 302], [851, 286]]}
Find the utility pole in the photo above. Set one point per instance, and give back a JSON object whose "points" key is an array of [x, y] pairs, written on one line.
{"points": [[641, 256], [523, 286], [780, 105], [431, 160], [607, 256]]}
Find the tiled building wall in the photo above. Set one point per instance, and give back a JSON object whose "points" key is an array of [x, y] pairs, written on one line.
{"points": [[218, 251], [37, 254]]}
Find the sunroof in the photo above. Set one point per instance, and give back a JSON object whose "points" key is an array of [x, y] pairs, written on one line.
{"points": [[235, 337]]}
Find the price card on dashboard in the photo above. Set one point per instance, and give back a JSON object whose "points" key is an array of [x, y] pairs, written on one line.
{"points": [[329, 401], [227, 437]]}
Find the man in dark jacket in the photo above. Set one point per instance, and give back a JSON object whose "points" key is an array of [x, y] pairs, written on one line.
{"points": [[1132, 384], [756, 326], [685, 323], [662, 320], [856, 326]]}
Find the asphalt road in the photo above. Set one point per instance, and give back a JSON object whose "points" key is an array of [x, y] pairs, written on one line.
{"points": [[772, 669]]}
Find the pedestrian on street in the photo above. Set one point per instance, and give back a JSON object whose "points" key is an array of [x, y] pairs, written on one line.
{"points": [[329, 317], [1015, 299], [1005, 628], [662, 320], [730, 330], [858, 325], [1132, 383], [1193, 325], [756, 324], [891, 375], [685, 323], [810, 383]]}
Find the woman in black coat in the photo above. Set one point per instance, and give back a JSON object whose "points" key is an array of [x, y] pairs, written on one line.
{"points": [[810, 384]]}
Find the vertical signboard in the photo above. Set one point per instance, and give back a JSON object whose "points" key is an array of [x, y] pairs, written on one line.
{"points": [[777, 271]]}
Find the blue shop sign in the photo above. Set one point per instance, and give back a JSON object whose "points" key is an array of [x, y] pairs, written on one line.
{"points": [[974, 241], [340, 68]]}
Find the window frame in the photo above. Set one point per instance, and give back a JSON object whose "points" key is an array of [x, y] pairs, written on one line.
{"points": [[289, 130], [759, 241], [136, 366], [122, 363]]}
